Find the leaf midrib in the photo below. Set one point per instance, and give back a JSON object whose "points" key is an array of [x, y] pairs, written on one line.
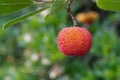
{"points": [[3, 4]]}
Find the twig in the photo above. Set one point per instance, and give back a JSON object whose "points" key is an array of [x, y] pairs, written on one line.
{"points": [[68, 8]]}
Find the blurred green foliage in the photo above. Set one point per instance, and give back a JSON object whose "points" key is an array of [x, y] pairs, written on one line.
{"points": [[28, 50]]}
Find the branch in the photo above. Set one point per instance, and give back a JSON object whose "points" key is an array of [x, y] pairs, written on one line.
{"points": [[68, 8]]}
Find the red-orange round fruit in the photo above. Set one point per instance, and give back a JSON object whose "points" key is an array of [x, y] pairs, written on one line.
{"points": [[74, 41]]}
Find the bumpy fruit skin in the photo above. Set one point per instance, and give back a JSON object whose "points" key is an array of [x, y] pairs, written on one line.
{"points": [[74, 41]]}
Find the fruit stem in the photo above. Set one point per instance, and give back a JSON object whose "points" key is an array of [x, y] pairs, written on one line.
{"points": [[68, 8]]}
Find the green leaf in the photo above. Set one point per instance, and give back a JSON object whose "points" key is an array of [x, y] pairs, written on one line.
{"points": [[8, 6], [19, 19], [111, 5], [55, 7]]}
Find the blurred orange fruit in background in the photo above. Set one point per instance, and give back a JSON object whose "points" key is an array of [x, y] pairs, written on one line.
{"points": [[87, 17]]}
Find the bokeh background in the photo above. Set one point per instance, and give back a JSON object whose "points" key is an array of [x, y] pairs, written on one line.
{"points": [[28, 50]]}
